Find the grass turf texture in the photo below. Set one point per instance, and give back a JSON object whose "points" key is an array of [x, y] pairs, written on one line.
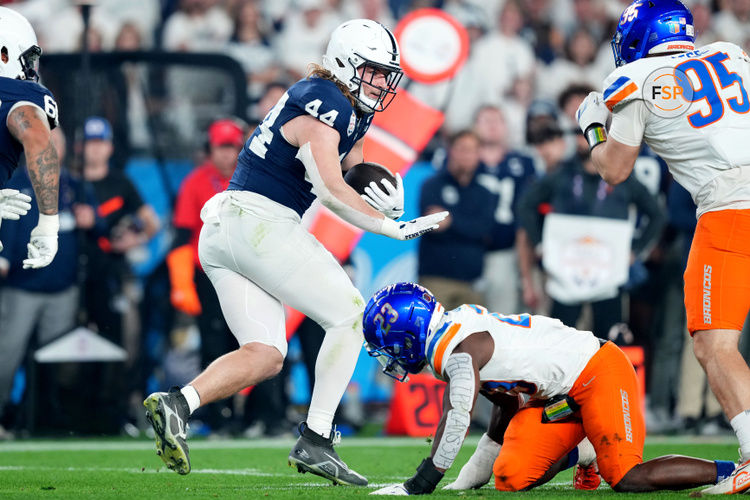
{"points": [[258, 469]]}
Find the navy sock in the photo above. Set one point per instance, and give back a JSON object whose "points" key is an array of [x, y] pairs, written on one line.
{"points": [[573, 458], [724, 469]]}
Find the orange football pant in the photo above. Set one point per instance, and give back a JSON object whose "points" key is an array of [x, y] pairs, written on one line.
{"points": [[610, 416], [717, 277]]}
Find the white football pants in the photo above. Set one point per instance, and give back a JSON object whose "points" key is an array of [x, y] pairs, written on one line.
{"points": [[259, 257]]}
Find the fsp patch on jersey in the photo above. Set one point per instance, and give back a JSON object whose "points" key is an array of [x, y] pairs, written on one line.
{"points": [[15, 93], [267, 165]]}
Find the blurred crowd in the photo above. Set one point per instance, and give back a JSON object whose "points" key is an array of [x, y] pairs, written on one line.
{"points": [[509, 164]]}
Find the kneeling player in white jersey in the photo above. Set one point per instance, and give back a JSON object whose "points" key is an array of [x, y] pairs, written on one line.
{"points": [[259, 257], [690, 105], [578, 387]]}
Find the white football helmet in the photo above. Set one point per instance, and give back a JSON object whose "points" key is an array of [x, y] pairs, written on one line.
{"points": [[362, 43], [19, 52]]}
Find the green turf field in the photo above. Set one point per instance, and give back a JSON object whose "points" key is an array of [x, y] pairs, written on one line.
{"points": [[258, 469]]}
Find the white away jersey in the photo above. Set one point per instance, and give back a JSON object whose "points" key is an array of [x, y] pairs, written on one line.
{"points": [[535, 355], [705, 144]]}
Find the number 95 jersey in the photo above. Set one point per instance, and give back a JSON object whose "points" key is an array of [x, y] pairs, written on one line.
{"points": [[268, 165], [534, 355], [15, 93], [692, 110]]}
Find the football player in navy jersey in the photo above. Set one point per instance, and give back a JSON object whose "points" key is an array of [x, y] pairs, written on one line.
{"points": [[29, 113], [259, 257]]}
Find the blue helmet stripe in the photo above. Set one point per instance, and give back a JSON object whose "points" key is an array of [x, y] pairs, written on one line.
{"points": [[616, 85]]}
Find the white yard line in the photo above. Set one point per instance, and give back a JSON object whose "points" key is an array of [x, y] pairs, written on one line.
{"points": [[162, 470], [250, 444]]}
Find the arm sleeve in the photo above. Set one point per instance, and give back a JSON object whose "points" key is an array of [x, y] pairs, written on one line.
{"points": [[629, 123], [462, 393], [330, 201]]}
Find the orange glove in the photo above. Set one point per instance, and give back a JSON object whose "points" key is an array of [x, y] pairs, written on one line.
{"points": [[183, 295]]}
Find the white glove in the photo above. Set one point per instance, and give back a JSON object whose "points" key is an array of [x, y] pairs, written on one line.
{"points": [[412, 228], [592, 110], [390, 204], [13, 204], [43, 242], [396, 490], [478, 470]]}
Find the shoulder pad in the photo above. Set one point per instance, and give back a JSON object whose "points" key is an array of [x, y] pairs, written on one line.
{"points": [[323, 100], [731, 49]]}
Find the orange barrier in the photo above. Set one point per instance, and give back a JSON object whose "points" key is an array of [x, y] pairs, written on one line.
{"points": [[416, 406]]}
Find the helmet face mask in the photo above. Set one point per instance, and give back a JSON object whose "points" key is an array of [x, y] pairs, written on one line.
{"points": [[648, 28], [358, 51], [365, 76], [29, 61], [389, 360], [396, 323]]}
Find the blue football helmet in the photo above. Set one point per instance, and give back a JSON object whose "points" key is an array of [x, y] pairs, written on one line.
{"points": [[651, 27], [396, 323]]}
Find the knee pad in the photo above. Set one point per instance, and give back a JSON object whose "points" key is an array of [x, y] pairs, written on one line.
{"points": [[347, 316]]}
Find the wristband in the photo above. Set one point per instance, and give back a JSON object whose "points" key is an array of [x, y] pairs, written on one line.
{"points": [[595, 134], [48, 225], [425, 480], [390, 228]]}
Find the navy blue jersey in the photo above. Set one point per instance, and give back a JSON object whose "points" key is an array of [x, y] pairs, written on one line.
{"points": [[14, 93], [267, 164], [506, 181]]}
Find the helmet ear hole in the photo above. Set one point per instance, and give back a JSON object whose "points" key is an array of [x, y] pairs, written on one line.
{"points": [[340, 63], [4, 54]]}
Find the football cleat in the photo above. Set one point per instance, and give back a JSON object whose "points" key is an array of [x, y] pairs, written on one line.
{"points": [[737, 482], [315, 454], [587, 477], [168, 413]]}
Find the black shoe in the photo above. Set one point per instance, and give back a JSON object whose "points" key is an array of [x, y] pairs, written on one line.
{"points": [[314, 453], [168, 413]]}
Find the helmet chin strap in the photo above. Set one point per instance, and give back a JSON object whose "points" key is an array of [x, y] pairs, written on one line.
{"points": [[365, 103]]}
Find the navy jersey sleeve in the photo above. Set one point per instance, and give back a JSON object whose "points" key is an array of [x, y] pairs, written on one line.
{"points": [[38, 95]]}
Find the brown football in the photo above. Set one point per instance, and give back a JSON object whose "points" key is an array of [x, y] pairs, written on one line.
{"points": [[362, 174]]}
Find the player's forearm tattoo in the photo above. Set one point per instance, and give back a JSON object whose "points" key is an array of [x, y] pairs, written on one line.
{"points": [[44, 172]]}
